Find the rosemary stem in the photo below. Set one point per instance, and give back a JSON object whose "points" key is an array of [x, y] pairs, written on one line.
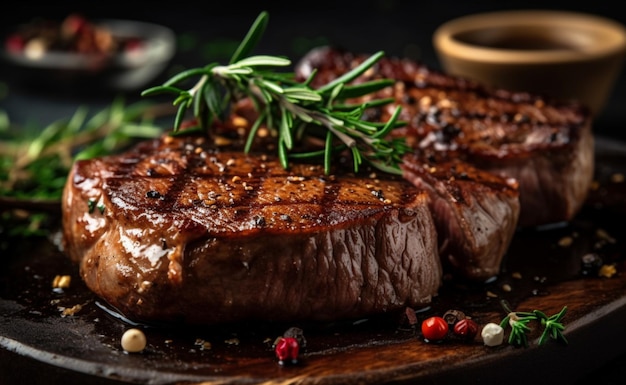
{"points": [[193, 90]]}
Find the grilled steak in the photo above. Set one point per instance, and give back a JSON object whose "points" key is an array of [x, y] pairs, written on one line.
{"points": [[176, 230], [545, 145]]}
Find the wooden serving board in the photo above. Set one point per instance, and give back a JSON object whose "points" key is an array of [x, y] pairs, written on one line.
{"points": [[543, 269]]}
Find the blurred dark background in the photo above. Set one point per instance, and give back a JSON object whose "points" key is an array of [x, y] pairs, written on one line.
{"points": [[209, 31]]}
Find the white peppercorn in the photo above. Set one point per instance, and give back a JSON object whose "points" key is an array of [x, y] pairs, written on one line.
{"points": [[492, 334], [133, 341]]}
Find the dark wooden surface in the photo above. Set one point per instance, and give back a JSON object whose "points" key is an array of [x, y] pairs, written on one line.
{"points": [[38, 343]]}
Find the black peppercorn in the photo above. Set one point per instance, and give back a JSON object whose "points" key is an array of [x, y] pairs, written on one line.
{"points": [[153, 194], [453, 316]]}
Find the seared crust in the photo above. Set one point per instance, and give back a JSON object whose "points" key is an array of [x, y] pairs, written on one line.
{"points": [[175, 230]]}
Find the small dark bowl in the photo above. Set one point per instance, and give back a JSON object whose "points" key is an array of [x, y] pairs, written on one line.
{"points": [[123, 71]]}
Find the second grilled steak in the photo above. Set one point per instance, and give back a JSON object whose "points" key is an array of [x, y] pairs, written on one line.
{"points": [[475, 212], [545, 145]]}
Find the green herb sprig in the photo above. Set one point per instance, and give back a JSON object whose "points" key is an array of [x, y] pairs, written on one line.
{"points": [[290, 108], [35, 161], [518, 321]]}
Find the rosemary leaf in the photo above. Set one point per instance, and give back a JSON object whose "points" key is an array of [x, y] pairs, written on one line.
{"points": [[282, 153], [328, 153], [253, 131], [391, 124], [271, 86], [301, 93], [285, 131], [354, 91], [252, 37], [354, 73], [182, 76], [161, 90], [180, 115], [261, 60]]}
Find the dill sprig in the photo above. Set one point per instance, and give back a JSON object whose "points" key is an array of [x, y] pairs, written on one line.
{"points": [[292, 109]]}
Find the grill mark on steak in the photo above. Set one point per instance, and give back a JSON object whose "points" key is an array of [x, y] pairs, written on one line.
{"points": [[546, 145]]}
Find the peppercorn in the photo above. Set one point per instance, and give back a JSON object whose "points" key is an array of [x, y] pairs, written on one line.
{"points": [[434, 329], [153, 194], [287, 349], [453, 316], [296, 333], [591, 264], [466, 329], [133, 341], [492, 334]]}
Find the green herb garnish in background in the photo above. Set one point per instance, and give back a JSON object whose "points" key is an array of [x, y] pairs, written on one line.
{"points": [[35, 162], [290, 108]]}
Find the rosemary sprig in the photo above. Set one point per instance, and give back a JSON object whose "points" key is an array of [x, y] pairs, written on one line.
{"points": [[289, 107], [518, 321]]}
